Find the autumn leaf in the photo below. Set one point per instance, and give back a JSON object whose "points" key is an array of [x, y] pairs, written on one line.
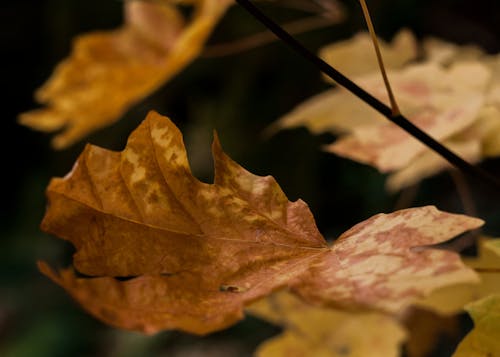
{"points": [[452, 299], [196, 253], [446, 53], [355, 56], [483, 340], [456, 104], [327, 111], [432, 101], [316, 331], [109, 71]]}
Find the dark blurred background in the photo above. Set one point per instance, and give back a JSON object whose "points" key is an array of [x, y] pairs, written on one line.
{"points": [[239, 96]]}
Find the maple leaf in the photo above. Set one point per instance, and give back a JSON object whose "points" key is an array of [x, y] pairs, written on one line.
{"points": [[452, 299], [483, 340], [316, 331], [446, 53], [327, 111], [456, 104], [196, 253], [355, 56], [109, 71]]}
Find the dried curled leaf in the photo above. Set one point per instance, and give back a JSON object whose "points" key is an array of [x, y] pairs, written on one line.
{"points": [[452, 299], [109, 71], [316, 331], [483, 341], [197, 252]]}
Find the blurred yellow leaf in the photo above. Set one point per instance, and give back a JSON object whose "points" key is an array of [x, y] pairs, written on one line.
{"points": [[446, 53], [355, 56], [484, 339], [452, 299], [432, 100], [327, 111], [324, 332], [455, 101], [109, 71]]}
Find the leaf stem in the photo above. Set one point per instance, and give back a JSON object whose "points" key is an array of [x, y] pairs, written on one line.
{"points": [[373, 35], [366, 97]]}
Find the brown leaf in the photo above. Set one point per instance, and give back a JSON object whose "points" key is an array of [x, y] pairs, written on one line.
{"points": [[109, 71], [199, 252]]}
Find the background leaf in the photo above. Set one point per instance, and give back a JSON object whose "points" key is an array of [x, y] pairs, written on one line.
{"points": [[311, 330], [483, 340]]}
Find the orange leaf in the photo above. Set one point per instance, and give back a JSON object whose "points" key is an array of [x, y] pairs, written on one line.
{"points": [[197, 253], [109, 71]]}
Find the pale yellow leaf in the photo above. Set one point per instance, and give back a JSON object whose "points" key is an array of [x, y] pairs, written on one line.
{"points": [[429, 98], [452, 299], [324, 332], [334, 111], [453, 95], [430, 163], [355, 56], [446, 53]]}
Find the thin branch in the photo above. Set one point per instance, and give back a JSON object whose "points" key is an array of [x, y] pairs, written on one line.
{"points": [[464, 193], [373, 35], [263, 38], [406, 197], [366, 97]]}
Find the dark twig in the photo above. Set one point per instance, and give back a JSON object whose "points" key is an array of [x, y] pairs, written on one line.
{"points": [[464, 193], [366, 97], [266, 37], [406, 197]]}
